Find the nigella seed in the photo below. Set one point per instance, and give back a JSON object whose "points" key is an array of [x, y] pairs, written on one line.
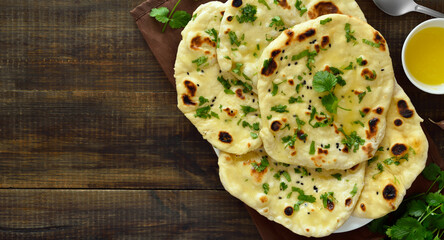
{"points": [[202, 71], [220, 71], [302, 95], [282, 58], [269, 90], [304, 82], [253, 100], [329, 45], [308, 213], [320, 97], [297, 182], [280, 197], [309, 101], [198, 85], [283, 51], [382, 70], [289, 64], [277, 72], [308, 87], [295, 63], [211, 105], [251, 94], [302, 183], [377, 193], [188, 73], [309, 73], [302, 176]]}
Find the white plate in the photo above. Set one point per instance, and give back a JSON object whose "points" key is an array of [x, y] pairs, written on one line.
{"points": [[351, 224]]}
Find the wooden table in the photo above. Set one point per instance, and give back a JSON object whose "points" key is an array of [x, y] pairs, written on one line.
{"points": [[91, 142]]}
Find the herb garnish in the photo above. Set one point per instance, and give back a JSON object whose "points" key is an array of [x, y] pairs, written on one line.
{"points": [[213, 32], [312, 148], [248, 14], [301, 8], [276, 87], [237, 68], [279, 108], [418, 217], [302, 196], [277, 22], [177, 19], [200, 61], [327, 196], [355, 190], [349, 33], [262, 166], [233, 38], [352, 141], [248, 109], [324, 81], [264, 3], [373, 44], [266, 188], [295, 100], [202, 100], [338, 176], [324, 21]]}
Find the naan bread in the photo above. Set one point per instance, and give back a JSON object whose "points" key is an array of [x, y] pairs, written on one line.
{"points": [[248, 27], [400, 159], [300, 124], [290, 194], [224, 110]]}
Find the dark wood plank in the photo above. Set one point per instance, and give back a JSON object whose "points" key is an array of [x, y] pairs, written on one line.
{"points": [[108, 214], [61, 139], [75, 45]]}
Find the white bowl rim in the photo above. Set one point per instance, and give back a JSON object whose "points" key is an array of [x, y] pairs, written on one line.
{"points": [[432, 89]]}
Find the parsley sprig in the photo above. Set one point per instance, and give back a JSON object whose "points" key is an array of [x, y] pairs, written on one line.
{"points": [[176, 19], [418, 217], [352, 141], [324, 81]]}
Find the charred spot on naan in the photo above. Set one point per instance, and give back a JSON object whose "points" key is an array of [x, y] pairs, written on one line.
{"points": [[308, 33], [330, 205], [367, 74], [301, 135], [325, 41], [198, 41], [404, 110], [236, 3], [187, 100], [368, 149], [283, 4], [348, 202], [317, 48], [225, 137], [239, 94], [230, 112], [290, 35], [322, 8], [191, 87], [362, 206], [379, 39], [263, 199], [322, 151], [291, 82], [276, 125], [397, 122], [354, 167], [272, 65], [389, 193], [373, 128], [398, 149], [345, 149], [378, 110], [230, 18]]}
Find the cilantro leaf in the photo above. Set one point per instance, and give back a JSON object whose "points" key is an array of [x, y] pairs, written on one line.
{"points": [[224, 82], [431, 171], [324, 81], [200, 61], [179, 19], [330, 102], [213, 32], [373, 44], [262, 166], [247, 14], [352, 141], [301, 8], [434, 199], [300, 55], [248, 109], [276, 21], [338, 176], [312, 148], [286, 176], [328, 196], [202, 112], [416, 208], [233, 38], [349, 33], [160, 14], [283, 186], [354, 190], [202, 100], [295, 100], [266, 188], [237, 68], [406, 228], [264, 3], [279, 108], [324, 21], [361, 96]]}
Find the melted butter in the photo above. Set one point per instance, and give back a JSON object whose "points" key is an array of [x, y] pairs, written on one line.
{"points": [[424, 55]]}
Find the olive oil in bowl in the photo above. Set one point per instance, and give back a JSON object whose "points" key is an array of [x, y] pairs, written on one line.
{"points": [[423, 56]]}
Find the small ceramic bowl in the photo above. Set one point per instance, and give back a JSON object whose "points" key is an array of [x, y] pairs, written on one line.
{"points": [[433, 89]]}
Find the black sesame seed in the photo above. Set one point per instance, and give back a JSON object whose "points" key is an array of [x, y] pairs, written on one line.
{"points": [[253, 100], [277, 72], [211, 105], [283, 51], [220, 71], [289, 64], [302, 176], [202, 71], [377, 193], [329, 45], [251, 94], [295, 63], [320, 97], [308, 213], [308, 87], [309, 174], [188, 73], [302, 95], [382, 70], [309, 107], [198, 85], [269, 90], [280, 197], [311, 87], [302, 183], [282, 58], [309, 73], [309, 101], [298, 182]]}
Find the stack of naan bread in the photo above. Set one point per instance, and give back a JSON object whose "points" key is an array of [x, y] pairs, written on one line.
{"points": [[301, 99]]}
